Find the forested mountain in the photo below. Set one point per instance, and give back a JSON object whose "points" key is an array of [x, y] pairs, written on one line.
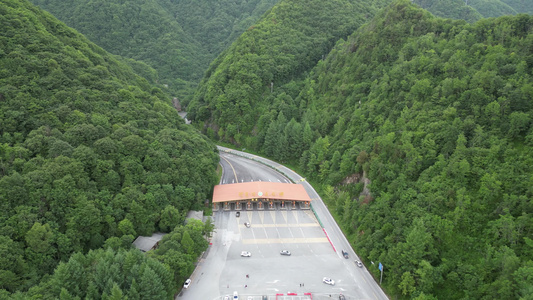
{"points": [[237, 95], [261, 73], [91, 154], [524, 6], [438, 115], [435, 113], [456, 9], [178, 38]]}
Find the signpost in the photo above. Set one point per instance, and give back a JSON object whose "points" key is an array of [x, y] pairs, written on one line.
{"points": [[381, 269]]}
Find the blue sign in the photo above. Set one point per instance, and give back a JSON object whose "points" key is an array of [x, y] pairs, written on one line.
{"points": [[380, 267]]}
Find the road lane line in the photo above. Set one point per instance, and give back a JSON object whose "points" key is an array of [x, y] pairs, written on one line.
{"points": [[234, 173]]}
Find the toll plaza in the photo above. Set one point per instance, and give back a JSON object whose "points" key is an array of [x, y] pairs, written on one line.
{"points": [[260, 195]]}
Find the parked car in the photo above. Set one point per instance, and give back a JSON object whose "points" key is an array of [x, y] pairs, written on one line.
{"points": [[328, 280], [235, 295], [345, 254], [238, 214], [264, 297], [358, 263], [187, 283], [247, 224], [246, 254], [285, 252]]}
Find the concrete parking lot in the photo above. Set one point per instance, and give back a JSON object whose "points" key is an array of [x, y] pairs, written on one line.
{"points": [[224, 271]]}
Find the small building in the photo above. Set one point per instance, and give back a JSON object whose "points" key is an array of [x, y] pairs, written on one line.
{"points": [[147, 243]]}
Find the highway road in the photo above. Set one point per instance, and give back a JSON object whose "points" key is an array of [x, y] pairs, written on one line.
{"points": [[222, 270]]}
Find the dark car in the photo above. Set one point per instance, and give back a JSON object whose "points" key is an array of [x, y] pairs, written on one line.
{"points": [[238, 214], [345, 254], [341, 297]]}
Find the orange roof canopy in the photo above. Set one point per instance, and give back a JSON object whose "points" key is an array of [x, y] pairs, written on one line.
{"points": [[259, 190]]}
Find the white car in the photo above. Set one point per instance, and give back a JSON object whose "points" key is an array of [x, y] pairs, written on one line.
{"points": [[187, 283], [358, 263], [226, 297], [246, 254], [285, 252], [247, 224], [329, 281]]}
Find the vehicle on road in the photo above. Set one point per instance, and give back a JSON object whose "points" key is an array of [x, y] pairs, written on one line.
{"points": [[187, 283], [341, 297], [238, 214], [328, 280], [227, 297], [358, 263], [247, 224], [345, 254], [246, 254], [235, 295], [285, 252], [264, 297]]}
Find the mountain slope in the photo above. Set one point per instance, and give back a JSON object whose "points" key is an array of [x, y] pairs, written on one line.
{"points": [[437, 115], [259, 76], [523, 6], [89, 151], [287, 42], [152, 31]]}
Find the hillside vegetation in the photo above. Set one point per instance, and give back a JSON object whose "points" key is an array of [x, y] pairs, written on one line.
{"points": [[261, 73], [177, 38], [273, 55], [438, 115], [91, 154]]}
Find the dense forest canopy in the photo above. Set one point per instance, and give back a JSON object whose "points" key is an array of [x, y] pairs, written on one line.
{"points": [[438, 115], [435, 113], [418, 128], [178, 38], [91, 154], [272, 55], [261, 74]]}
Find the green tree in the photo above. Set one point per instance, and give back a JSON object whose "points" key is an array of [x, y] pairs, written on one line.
{"points": [[170, 218], [39, 237], [125, 227]]}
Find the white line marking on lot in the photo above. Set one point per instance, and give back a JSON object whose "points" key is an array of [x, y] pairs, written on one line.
{"points": [[284, 241], [275, 281]]}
